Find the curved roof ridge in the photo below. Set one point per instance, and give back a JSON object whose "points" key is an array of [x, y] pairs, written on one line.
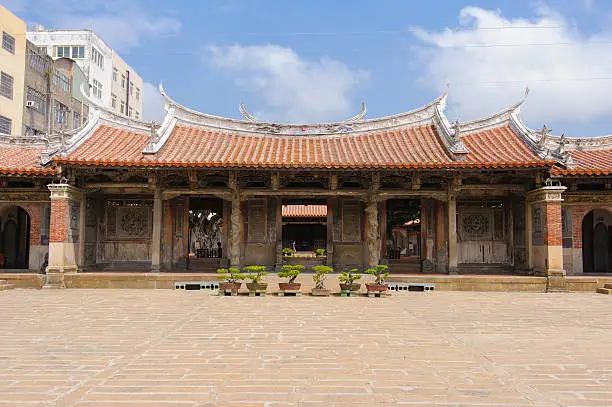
{"points": [[420, 115], [500, 118]]}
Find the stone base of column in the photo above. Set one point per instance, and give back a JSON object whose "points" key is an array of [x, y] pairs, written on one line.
{"points": [[55, 276], [155, 268], [453, 270]]}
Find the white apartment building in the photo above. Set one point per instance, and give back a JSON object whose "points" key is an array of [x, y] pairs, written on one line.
{"points": [[112, 82]]}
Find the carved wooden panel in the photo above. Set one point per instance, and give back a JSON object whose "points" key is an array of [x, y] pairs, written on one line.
{"points": [[133, 222], [475, 225], [351, 221], [256, 220]]}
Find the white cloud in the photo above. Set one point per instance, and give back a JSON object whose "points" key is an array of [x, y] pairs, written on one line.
{"points": [[491, 58], [152, 103], [292, 88]]}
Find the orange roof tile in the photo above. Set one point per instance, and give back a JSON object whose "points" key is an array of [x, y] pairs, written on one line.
{"points": [[414, 147], [589, 162], [19, 160], [305, 211]]}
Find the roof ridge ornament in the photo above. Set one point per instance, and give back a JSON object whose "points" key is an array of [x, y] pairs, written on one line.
{"points": [[358, 117]]}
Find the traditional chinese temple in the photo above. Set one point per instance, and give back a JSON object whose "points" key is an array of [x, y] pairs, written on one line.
{"points": [[412, 190]]}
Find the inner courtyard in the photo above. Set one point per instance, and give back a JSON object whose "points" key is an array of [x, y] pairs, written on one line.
{"points": [[94, 348]]}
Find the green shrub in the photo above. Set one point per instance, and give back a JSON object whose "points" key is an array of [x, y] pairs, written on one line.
{"points": [[287, 251], [320, 252], [291, 271], [230, 275], [349, 277], [320, 276], [380, 272], [256, 273]]}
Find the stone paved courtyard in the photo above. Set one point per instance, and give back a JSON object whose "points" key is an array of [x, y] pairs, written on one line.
{"points": [[171, 348]]}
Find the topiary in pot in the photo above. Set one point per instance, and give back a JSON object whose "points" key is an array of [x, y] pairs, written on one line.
{"points": [[256, 273], [232, 277], [320, 253], [347, 282], [319, 278], [380, 273], [287, 252], [291, 272]]}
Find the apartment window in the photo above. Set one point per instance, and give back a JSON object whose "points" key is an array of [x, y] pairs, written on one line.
{"points": [[38, 99], [6, 85], [62, 51], [61, 81], [97, 57], [78, 52], [122, 110], [97, 89], [76, 120], [61, 112], [137, 115], [123, 81], [114, 74], [8, 42], [137, 94], [114, 101], [131, 112], [39, 63], [42, 50], [5, 125], [131, 88]]}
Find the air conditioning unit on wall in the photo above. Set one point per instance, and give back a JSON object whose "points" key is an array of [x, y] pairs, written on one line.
{"points": [[30, 103]]}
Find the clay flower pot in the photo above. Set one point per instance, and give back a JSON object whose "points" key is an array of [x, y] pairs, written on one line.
{"points": [[376, 288], [321, 292], [257, 286], [233, 287], [289, 286], [351, 287]]}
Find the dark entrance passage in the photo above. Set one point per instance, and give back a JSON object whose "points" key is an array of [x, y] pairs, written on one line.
{"points": [[403, 229], [207, 235], [597, 242], [14, 238], [305, 225]]}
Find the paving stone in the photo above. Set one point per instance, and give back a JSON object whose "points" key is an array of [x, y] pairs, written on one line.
{"points": [[97, 348]]}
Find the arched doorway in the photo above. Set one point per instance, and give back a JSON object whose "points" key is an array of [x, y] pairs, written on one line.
{"points": [[14, 238], [597, 242]]}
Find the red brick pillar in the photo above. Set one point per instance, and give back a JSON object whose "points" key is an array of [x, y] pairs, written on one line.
{"points": [[546, 235], [66, 206]]}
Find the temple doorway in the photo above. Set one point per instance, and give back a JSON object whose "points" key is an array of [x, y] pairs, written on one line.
{"points": [[305, 226], [403, 240], [207, 235], [597, 242], [14, 238]]}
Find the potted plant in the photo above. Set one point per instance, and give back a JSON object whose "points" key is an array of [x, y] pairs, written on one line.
{"points": [[319, 278], [256, 273], [287, 252], [380, 273], [320, 253], [232, 277], [290, 271], [347, 279]]}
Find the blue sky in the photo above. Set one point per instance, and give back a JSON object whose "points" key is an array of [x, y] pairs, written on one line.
{"points": [[306, 61]]}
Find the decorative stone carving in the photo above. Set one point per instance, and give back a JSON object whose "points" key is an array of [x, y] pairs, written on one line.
{"points": [[372, 233], [539, 221], [351, 221], [235, 231], [133, 222], [476, 225]]}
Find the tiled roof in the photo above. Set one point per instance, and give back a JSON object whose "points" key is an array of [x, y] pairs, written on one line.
{"points": [[305, 211], [413, 147], [109, 146], [499, 147], [19, 160], [589, 162]]}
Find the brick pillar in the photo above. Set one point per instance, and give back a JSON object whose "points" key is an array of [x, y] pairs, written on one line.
{"points": [[64, 237], [546, 236]]}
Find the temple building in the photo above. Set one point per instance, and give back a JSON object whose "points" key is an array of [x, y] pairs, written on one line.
{"points": [[412, 190]]}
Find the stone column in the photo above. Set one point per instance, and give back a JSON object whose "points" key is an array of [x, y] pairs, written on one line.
{"points": [[528, 234], [82, 233], [546, 237], [372, 233], [157, 230], [235, 231], [66, 205], [452, 235], [279, 233], [330, 231]]}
